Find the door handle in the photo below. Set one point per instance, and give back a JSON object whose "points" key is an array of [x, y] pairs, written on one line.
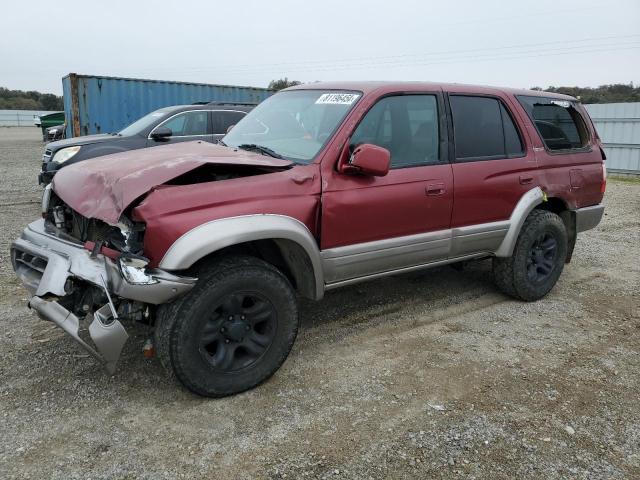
{"points": [[526, 179], [435, 189]]}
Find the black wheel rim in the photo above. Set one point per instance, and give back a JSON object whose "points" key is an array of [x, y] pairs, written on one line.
{"points": [[238, 332], [541, 261]]}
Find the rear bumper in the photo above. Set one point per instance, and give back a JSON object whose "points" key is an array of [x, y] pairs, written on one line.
{"points": [[47, 264], [588, 217]]}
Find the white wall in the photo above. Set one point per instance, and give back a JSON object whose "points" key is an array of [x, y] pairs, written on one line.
{"points": [[618, 125], [19, 118]]}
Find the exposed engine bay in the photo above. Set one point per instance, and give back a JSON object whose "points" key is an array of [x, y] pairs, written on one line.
{"points": [[126, 236]]}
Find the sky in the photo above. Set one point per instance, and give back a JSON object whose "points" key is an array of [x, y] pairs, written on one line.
{"points": [[244, 42]]}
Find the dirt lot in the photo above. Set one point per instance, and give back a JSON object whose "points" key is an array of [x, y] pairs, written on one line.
{"points": [[433, 374]]}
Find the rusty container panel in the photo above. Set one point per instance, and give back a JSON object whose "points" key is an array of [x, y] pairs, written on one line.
{"points": [[95, 104]]}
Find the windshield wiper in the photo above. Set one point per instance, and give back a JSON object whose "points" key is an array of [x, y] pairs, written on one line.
{"points": [[220, 142], [261, 149]]}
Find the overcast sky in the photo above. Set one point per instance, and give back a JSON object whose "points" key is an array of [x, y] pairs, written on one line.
{"points": [[242, 42]]}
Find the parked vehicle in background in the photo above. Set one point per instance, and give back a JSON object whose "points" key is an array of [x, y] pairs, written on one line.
{"points": [[55, 133], [52, 120], [320, 186], [208, 122]]}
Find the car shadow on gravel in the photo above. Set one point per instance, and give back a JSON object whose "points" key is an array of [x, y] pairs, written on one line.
{"points": [[350, 310]]}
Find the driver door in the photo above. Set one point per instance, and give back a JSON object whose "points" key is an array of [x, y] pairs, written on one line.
{"points": [[372, 225]]}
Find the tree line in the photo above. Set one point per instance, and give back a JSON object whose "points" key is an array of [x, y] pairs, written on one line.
{"points": [[614, 93], [32, 100]]}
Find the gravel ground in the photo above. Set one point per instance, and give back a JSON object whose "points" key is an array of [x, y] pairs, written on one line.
{"points": [[432, 374]]}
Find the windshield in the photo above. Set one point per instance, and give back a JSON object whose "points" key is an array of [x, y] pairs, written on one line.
{"points": [[295, 124], [143, 123]]}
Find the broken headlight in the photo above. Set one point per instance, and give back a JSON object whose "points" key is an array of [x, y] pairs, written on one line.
{"points": [[134, 270]]}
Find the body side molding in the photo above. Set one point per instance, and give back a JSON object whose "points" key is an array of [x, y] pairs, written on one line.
{"points": [[217, 234]]}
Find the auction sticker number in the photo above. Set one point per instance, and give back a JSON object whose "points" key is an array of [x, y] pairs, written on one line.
{"points": [[337, 98]]}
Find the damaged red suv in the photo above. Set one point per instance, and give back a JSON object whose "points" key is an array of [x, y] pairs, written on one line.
{"points": [[318, 187]]}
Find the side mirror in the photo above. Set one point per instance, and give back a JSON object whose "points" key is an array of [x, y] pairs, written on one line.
{"points": [[230, 127], [368, 159], [161, 133]]}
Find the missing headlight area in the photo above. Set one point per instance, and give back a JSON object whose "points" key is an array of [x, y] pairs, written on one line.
{"points": [[126, 236]]}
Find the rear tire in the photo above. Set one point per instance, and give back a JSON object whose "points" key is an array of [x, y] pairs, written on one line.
{"points": [[232, 331], [537, 260]]}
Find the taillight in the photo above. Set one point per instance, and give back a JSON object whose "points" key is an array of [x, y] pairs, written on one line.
{"points": [[603, 184]]}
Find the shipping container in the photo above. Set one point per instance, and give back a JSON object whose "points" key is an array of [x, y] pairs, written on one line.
{"points": [[95, 104]]}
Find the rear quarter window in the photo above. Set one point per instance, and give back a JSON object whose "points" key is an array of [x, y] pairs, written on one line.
{"points": [[558, 122]]}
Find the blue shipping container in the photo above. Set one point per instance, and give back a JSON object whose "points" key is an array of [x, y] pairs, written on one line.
{"points": [[108, 104]]}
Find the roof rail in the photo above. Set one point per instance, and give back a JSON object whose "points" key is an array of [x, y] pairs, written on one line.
{"points": [[248, 104]]}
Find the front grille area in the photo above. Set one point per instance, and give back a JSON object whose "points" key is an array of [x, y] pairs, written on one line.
{"points": [[29, 268], [85, 229]]}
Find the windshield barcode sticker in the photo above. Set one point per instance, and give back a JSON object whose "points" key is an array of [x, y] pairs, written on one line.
{"points": [[337, 98]]}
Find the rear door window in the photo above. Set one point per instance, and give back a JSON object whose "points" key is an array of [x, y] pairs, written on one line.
{"points": [[222, 120], [483, 129], [558, 122]]}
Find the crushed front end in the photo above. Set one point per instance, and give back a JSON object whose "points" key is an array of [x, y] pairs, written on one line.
{"points": [[87, 276]]}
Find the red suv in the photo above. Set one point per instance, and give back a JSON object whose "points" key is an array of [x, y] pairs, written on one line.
{"points": [[320, 186]]}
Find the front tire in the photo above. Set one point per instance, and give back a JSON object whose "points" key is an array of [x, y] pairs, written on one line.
{"points": [[537, 260], [233, 330]]}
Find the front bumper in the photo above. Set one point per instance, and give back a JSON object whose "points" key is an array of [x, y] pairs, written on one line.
{"points": [[588, 217], [47, 264]]}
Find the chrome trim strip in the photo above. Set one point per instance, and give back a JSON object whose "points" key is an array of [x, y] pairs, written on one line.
{"points": [[371, 258], [485, 237], [217, 234], [437, 263], [588, 217], [352, 261], [384, 244], [188, 111]]}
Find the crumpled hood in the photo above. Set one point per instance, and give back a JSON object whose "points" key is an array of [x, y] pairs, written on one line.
{"points": [[104, 187]]}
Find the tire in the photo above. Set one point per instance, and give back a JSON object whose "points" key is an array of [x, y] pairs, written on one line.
{"points": [[537, 260], [232, 331]]}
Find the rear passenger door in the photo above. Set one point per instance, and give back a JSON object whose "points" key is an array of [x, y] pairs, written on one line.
{"points": [[493, 167], [223, 120]]}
